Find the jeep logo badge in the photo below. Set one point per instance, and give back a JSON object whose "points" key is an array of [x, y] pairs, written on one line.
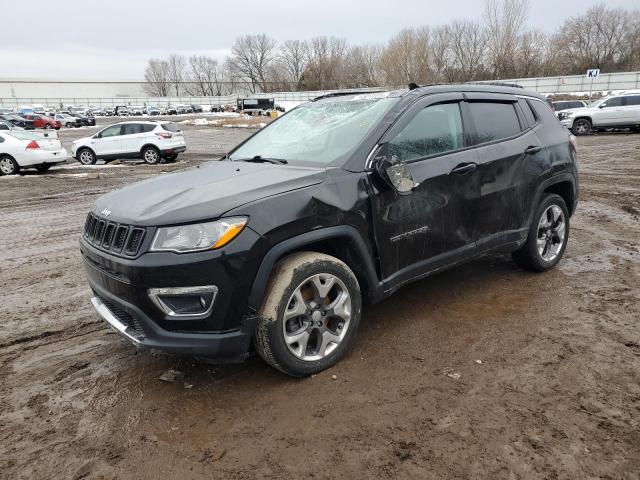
{"points": [[106, 212]]}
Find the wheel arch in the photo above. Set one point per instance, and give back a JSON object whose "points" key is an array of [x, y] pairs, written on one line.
{"points": [[566, 190], [85, 147], [147, 145], [343, 242]]}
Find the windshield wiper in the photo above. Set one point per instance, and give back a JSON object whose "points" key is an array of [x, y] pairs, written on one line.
{"points": [[261, 159]]}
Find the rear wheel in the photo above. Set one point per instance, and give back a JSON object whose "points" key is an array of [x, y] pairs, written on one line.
{"points": [[310, 314], [150, 155], [581, 126], [86, 157], [8, 166], [548, 235]]}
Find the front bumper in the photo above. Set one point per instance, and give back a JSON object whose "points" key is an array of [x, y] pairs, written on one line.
{"points": [[122, 288], [567, 122]]}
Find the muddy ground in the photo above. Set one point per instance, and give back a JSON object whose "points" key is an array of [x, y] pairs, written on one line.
{"points": [[485, 371]]}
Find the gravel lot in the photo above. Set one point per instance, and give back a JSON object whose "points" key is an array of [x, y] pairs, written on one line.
{"points": [[484, 371]]}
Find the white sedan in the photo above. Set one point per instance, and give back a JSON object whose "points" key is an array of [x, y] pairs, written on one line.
{"points": [[25, 150]]}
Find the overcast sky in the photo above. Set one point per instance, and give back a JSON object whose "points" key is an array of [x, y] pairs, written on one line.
{"points": [[113, 39]]}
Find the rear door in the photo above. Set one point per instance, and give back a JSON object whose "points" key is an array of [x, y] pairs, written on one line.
{"points": [[510, 157], [132, 137], [108, 142], [428, 227], [631, 107]]}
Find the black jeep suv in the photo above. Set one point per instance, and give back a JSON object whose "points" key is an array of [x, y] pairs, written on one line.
{"points": [[339, 202]]}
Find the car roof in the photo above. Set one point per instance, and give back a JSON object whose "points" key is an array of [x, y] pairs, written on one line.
{"points": [[437, 88], [149, 122]]}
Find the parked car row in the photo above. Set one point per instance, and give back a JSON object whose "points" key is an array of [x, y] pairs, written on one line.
{"points": [[152, 141]]}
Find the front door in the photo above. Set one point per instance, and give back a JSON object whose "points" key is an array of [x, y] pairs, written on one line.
{"points": [[609, 113], [426, 228], [108, 141]]}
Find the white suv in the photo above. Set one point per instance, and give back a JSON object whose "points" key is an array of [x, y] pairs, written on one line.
{"points": [[150, 141], [616, 111]]}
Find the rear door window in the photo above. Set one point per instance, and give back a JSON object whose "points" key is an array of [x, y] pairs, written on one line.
{"points": [[147, 127], [493, 121], [434, 130], [131, 128]]}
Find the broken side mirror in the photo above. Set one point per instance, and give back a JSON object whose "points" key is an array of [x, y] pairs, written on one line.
{"points": [[395, 173]]}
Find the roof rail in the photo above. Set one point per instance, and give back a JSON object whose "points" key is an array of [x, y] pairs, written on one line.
{"points": [[497, 84], [342, 94]]}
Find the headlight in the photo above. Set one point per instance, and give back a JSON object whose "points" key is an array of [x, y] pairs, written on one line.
{"points": [[199, 236], [564, 115]]}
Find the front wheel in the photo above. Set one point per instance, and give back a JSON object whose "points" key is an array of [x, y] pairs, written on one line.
{"points": [[8, 166], [86, 157], [548, 235], [310, 314], [68, 124], [581, 126]]}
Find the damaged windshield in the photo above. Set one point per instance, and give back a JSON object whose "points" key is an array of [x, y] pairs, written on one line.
{"points": [[317, 132]]}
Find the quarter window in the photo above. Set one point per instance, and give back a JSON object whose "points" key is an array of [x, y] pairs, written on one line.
{"points": [[528, 113], [434, 130], [632, 100], [493, 121]]}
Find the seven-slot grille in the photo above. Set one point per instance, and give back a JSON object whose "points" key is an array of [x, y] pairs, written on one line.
{"points": [[113, 237]]}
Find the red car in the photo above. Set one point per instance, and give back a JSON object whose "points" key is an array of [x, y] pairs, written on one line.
{"points": [[40, 121]]}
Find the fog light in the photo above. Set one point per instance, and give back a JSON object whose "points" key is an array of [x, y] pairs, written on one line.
{"points": [[184, 301]]}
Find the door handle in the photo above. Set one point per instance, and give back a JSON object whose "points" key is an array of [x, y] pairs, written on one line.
{"points": [[464, 168], [532, 149]]}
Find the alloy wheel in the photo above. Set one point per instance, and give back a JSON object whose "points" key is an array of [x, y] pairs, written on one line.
{"points": [[582, 127], [551, 233], [151, 156], [86, 158], [317, 317]]}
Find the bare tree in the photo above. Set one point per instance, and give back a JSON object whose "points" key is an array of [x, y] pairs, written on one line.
{"points": [[407, 57], [504, 21], [293, 59], [204, 76], [325, 63], [176, 71], [468, 41], [156, 76], [251, 56]]}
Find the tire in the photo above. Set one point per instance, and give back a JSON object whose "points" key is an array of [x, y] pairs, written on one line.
{"points": [[310, 314], [8, 166], [545, 243], [151, 155], [43, 168], [68, 124], [171, 157], [47, 126], [86, 157], [582, 126]]}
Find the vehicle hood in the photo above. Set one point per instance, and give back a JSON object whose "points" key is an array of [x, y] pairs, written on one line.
{"points": [[202, 193]]}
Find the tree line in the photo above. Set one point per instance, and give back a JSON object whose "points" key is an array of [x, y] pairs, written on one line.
{"points": [[500, 45]]}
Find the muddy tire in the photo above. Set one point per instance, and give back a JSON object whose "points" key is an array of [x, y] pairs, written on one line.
{"points": [[310, 314], [8, 166], [548, 236]]}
